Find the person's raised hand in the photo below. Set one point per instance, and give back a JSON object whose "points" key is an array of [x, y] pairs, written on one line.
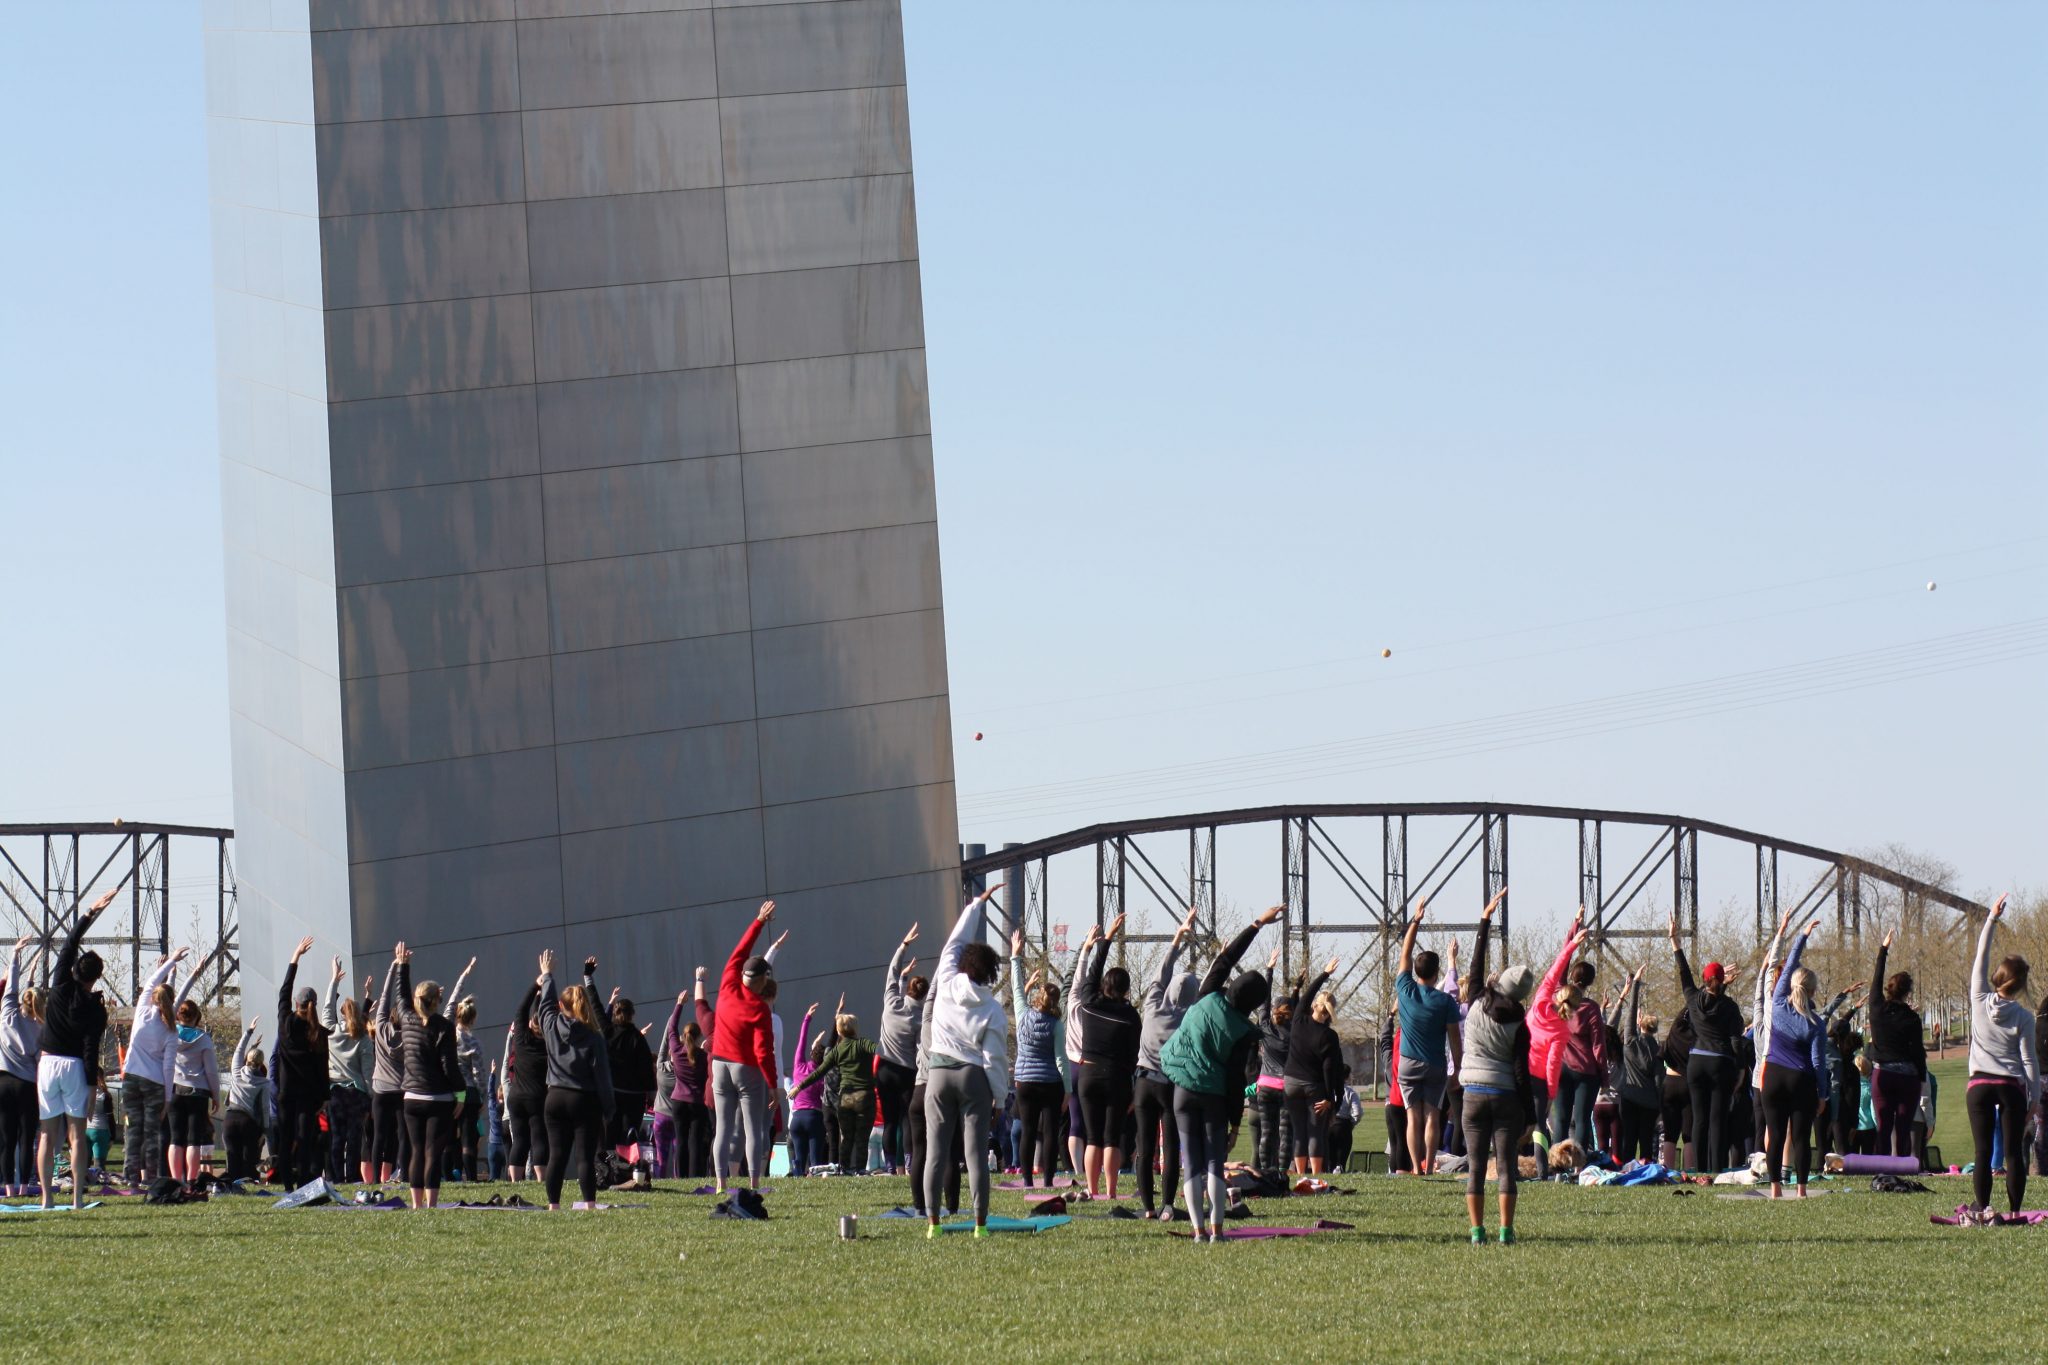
{"points": [[780, 939], [181, 954], [613, 998], [547, 961], [22, 943], [1016, 942], [682, 997], [1998, 908], [1674, 928], [1814, 927], [305, 946], [1116, 926], [1272, 958], [765, 913], [470, 968], [399, 952], [1421, 908], [1486, 915], [1270, 915], [1037, 976], [812, 1010], [1578, 939], [1888, 938], [1330, 967], [337, 967], [1578, 918], [911, 935], [1454, 952], [103, 902], [590, 965], [369, 984], [700, 973], [839, 1008], [1784, 923]]}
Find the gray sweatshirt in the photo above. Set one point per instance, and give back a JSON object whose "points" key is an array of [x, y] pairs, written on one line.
{"points": [[195, 1064], [1166, 1002], [348, 1059], [2001, 1030], [247, 1091], [21, 1038], [387, 1067], [902, 1017]]}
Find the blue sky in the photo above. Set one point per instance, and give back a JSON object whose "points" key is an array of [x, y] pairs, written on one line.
{"points": [[1568, 351]]}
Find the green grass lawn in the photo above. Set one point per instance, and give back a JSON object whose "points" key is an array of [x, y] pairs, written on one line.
{"points": [[1600, 1273]]}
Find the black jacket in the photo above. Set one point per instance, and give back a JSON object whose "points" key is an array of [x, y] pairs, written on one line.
{"points": [[300, 1058], [1895, 1028], [74, 1016], [1315, 1057], [1110, 1029], [427, 1046], [529, 1055], [1716, 1019], [577, 1057]]}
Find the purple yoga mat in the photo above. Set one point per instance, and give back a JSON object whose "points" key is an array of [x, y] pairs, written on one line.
{"points": [[1856, 1164]]}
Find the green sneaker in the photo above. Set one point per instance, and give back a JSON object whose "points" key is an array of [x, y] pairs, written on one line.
{"points": [[1507, 1237], [981, 1232], [1479, 1237], [931, 1232]]}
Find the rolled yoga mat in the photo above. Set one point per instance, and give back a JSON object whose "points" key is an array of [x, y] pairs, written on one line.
{"points": [[1857, 1164], [1010, 1224]]}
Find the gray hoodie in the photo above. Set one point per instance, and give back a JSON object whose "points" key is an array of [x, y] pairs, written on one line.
{"points": [[348, 1059], [386, 1064], [902, 1017], [2001, 1030], [247, 1091], [21, 1038], [1166, 1002]]}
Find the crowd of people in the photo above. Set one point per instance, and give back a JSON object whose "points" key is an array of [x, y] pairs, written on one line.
{"points": [[1099, 1073]]}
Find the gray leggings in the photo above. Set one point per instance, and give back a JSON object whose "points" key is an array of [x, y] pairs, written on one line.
{"points": [[739, 1095], [1496, 1122], [955, 1096]]}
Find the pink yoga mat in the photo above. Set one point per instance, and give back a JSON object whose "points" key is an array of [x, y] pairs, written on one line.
{"points": [[1855, 1164]]}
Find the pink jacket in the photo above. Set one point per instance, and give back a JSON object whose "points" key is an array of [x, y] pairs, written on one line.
{"points": [[1546, 1030]]}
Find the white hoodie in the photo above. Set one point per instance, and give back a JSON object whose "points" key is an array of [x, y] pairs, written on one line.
{"points": [[152, 1044], [968, 1021]]}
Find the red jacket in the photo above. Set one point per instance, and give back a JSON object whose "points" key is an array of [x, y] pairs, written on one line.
{"points": [[742, 1030]]}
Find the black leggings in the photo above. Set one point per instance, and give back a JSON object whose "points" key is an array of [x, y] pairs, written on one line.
{"points": [[893, 1085], [1105, 1099], [856, 1122], [1638, 1133], [298, 1124], [1156, 1129], [428, 1126], [2001, 1103], [693, 1139], [1398, 1158], [575, 1122], [1790, 1098], [348, 1112], [386, 1109], [1677, 1116], [461, 1152], [17, 1120], [1266, 1106], [192, 1120], [1038, 1109], [244, 1137], [1310, 1132], [529, 1131], [1496, 1121], [1711, 1078]]}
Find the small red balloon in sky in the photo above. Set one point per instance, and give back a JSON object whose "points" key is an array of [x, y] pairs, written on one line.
{"points": [[977, 734]]}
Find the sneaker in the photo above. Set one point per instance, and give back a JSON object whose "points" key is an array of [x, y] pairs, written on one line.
{"points": [[1507, 1237], [931, 1232], [981, 1232], [1479, 1237]]}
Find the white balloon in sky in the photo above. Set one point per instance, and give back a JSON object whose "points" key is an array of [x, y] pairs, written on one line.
{"points": [[1930, 585]]}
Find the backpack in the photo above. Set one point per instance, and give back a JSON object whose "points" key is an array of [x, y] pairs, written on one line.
{"points": [[742, 1204], [164, 1190], [612, 1170]]}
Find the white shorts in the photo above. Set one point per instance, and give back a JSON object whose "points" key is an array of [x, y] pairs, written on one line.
{"points": [[61, 1089]]}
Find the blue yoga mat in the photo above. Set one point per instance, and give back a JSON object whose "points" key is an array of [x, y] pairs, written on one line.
{"points": [[55, 1208], [1011, 1224]]}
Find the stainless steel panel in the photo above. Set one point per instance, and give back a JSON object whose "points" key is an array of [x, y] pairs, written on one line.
{"points": [[793, 314], [857, 838], [458, 898], [382, 258], [684, 414], [632, 329], [822, 920], [832, 400], [449, 528], [447, 713], [434, 438], [816, 135], [642, 778], [627, 239], [426, 163], [429, 347], [849, 663], [618, 59], [636, 509], [328, 14], [459, 803], [420, 71], [818, 489], [837, 577], [626, 149], [561, 9], [289, 697], [779, 49], [820, 222], [638, 689], [638, 869], [636, 600], [440, 622], [823, 754], [647, 955]]}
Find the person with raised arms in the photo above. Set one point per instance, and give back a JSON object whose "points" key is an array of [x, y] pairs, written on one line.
{"points": [[969, 1061], [301, 1065], [1429, 1035], [743, 1073], [579, 1098], [1164, 1003], [1500, 1101], [1314, 1074], [1041, 1066], [1206, 1060], [21, 1046], [1795, 1068], [1711, 1071], [1898, 1056], [74, 1023], [1546, 1026], [1110, 1030], [145, 1075], [2005, 1069], [896, 1068]]}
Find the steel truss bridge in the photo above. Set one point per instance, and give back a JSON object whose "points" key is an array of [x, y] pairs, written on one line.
{"points": [[49, 874], [1360, 892]]}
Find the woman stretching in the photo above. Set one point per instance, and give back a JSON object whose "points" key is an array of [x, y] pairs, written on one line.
{"points": [[1711, 1072], [743, 1075], [526, 1092], [1268, 1098], [1206, 1059], [1041, 1066], [432, 1079], [896, 1068], [302, 1084], [806, 1122], [21, 1028], [1314, 1074], [2005, 1071], [1582, 1057], [691, 1067], [1898, 1055], [1795, 1069], [1164, 1001], [1110, 1029], [195, 1096], [853, 1059], [1546, 1027], [349, 1052], [387, 1084], [1499, 1093], [969, 1062], [579, 1098], [248, 1102]]}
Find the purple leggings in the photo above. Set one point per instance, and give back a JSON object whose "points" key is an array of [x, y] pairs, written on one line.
{"points": [[662, 1132], [1895, 1100]]}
